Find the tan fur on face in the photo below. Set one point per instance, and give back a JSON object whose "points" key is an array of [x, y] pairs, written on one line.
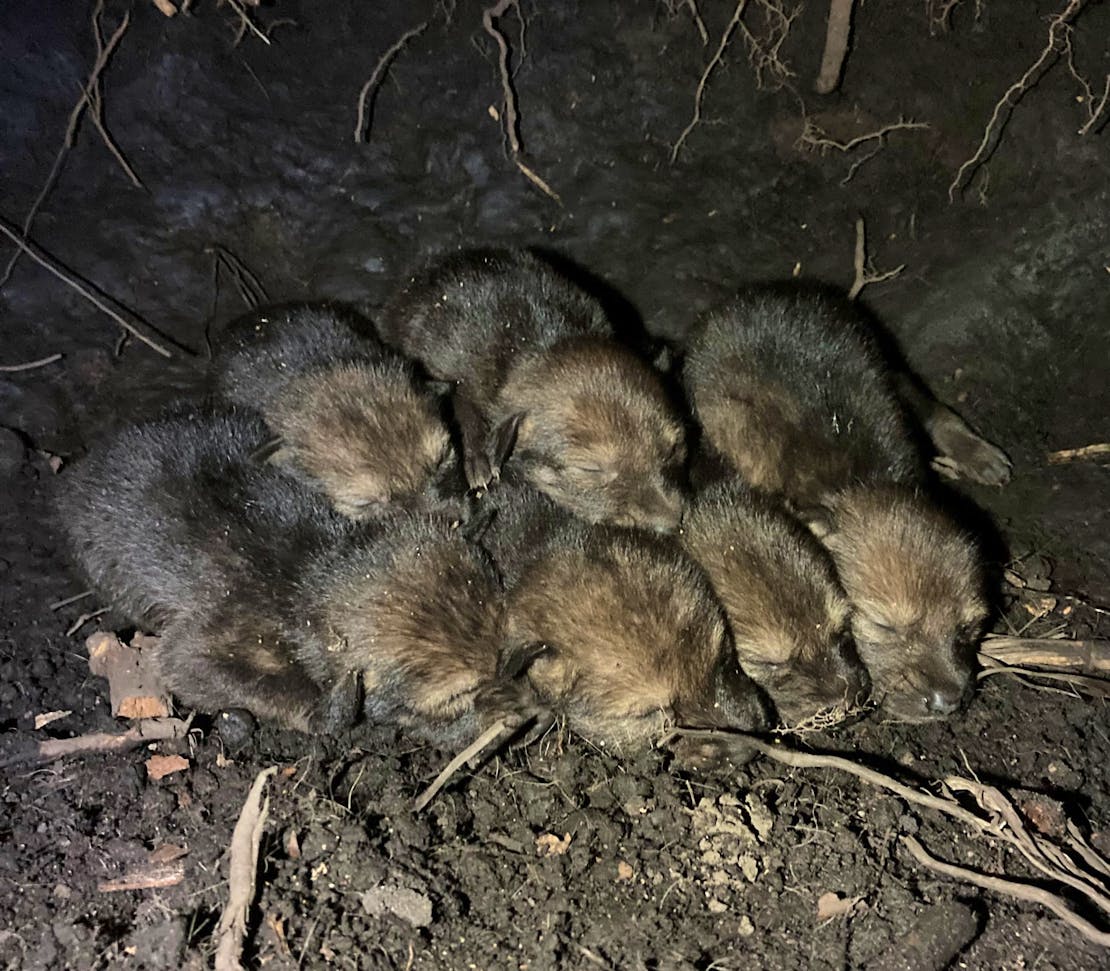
{"points": [[364, 432], [430, 625], [632, 634], [906, 566], [599, 433], [788, 614]]}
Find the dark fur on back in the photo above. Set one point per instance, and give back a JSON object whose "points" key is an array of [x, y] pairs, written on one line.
{"points": [[469, 316], [791, 389], [632, 635], [594, 427], [352, 416], [788, 613], [156, 512]]}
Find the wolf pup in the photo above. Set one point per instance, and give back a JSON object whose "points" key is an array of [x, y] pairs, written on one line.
{"points": [[534, 363], [619, 630], [789, 616], [347, 413]]}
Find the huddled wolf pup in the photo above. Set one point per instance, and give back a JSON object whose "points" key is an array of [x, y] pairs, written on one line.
{"points": [[267, 599], [348, 413], [788, 614], [792, 393], [534, 363], [915, 581], [621, 631]]}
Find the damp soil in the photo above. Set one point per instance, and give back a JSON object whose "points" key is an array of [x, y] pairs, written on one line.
{"points": [[560, 855]]}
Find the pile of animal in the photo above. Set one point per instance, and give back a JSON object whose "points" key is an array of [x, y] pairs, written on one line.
{"points": [[486, 512]]}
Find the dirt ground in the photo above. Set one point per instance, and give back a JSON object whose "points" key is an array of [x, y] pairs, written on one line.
{"points": [[1003, 306]]}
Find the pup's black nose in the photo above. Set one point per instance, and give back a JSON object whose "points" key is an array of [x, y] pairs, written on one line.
{"points": [[945, 701]]}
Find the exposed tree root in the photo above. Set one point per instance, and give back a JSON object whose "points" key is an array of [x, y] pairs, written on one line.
{"points": [[243, 868], [369, 90], [836, 46], [1058, 40]]}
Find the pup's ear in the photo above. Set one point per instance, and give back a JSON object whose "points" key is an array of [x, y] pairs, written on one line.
{"points": [[819, 520], [272, 450], [503, 441], [515, 661]]}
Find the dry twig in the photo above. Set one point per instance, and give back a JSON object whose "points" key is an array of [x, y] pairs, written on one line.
{"points": [[692, 7], [815, 138], [1058, 38], [1011, 888], [151, 730], [59, 604], [150, 877], [247, 284], [370, 89], [865, 277], [52, 266], [479, 745], [1074, 454], [30, 365], [245, 22], [836, 46], [509, 114], [84, 619], [245, 841], [1088, 656]]}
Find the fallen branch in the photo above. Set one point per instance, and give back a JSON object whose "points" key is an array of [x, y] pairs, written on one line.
{"points": [[370, 89], [52, 266], [1073, 454], [865, 277], [245, 841], [836, 46], [511, 119], [142, 733], [30, 365], [1058, 28], [479, 745]]}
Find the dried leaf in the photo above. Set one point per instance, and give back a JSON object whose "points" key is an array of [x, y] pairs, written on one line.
{"points": [[292, 845], [167, 853], [160, 766], [830, 905], [548, 844]]}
